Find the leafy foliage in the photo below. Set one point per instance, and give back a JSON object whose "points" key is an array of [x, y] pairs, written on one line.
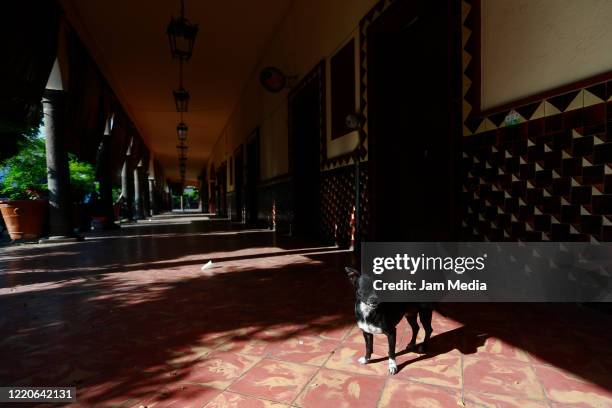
{"points": [[192, 194], [116, 193], [82, 179], [24, 176], [19, 123]]}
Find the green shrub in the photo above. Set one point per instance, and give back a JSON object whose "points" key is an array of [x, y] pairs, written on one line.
{"points": [[24, 176], [82, 179]]}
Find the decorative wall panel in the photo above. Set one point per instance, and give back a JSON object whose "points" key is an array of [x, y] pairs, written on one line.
{"points": [[338, 201], [540, 171]]}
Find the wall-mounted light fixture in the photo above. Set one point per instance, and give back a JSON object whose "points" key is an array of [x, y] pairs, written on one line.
{"points": [[274, 80], [355, 121]]}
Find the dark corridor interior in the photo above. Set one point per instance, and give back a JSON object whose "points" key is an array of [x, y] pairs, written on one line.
{"points": [[304, 128], [222, 190], [411, 185], [252, 178], [238, 184]]}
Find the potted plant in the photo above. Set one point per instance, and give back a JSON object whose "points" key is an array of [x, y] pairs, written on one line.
{"points": [[24, 218], [23, 187]]}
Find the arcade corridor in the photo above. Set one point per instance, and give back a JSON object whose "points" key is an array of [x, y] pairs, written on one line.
{"points": [[183, 182], [131, 320]]}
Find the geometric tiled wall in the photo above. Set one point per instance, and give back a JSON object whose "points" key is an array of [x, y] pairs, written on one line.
{"points": [[338, 200], [541, 171], [535, 172], [546, 178]]}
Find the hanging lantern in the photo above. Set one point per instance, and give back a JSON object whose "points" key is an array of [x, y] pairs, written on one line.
{"points": [[181, 99], [181, 149], [181, 131], [181, 35]]}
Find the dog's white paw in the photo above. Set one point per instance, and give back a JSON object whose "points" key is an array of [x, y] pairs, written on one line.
{"points": [[392, 366], [363, 360]]}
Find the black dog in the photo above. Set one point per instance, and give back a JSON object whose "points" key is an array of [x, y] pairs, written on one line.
{"points": [[374, 317]]}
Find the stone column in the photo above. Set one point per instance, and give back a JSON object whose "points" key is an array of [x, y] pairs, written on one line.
{"points": [[182, 202], [152, 201], [127, 192], [106, 183], [202, 201], [204, 196], [146, 203], [138, 196], [58, 173]]}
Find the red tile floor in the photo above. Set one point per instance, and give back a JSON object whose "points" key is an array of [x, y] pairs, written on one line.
{"points": [[131, 320]]}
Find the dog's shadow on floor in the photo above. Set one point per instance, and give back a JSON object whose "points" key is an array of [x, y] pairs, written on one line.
{"points": [[465, 339]]}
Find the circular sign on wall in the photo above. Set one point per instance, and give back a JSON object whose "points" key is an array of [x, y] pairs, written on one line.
{"points": [[273, 79]]}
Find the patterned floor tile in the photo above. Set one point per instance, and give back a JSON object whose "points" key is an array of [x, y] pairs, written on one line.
{"points": [[306, 350], [336, 389], [232, 400], [219, 369], [252, 347], [443, 370], [412, 395], [501, 349], [500, 401], [345, 359], [181, 396], [149, 320], [502, 377], [569, 389], [274, 380], [120, 392], [188, 356], [333, 332]]}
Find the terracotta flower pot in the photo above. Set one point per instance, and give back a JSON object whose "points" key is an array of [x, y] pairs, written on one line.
{"points": [[24, 219]]}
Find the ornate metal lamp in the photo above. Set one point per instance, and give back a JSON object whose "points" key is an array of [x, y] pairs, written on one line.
{"points": [[181, 149], [181, 131], [181, 35], [181, 99]]}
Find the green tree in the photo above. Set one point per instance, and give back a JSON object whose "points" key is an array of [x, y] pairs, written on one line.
{"points": [[82, 179], [24, 176], [192, 197]]}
